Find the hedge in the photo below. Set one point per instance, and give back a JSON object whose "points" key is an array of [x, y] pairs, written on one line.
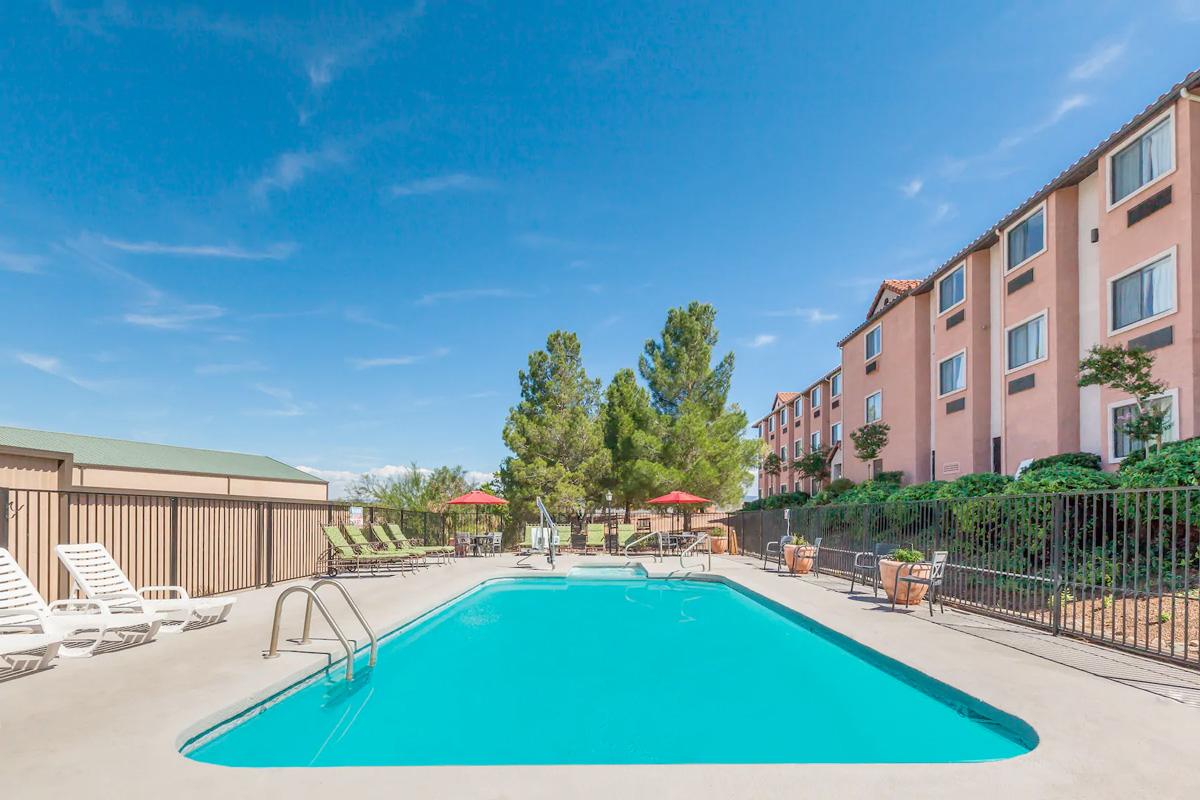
{"points": [[1062, 477], [977, 485], [1084, 460], [917, 491]]}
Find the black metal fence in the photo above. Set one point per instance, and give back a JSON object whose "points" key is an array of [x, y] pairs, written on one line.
{"points": [[207, 545], [1117, 567]]}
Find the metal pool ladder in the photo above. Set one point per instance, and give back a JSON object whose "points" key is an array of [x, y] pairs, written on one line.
{"points": [[703, 537], [311, 593], [657, 556]]}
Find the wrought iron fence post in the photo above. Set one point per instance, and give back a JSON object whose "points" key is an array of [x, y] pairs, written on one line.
{"points": [[173, 560], [1056, 558], [270, 512]]}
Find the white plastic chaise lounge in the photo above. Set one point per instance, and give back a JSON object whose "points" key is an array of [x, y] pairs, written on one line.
{"points": [[27, 652], [78, 626], [98, 577]]}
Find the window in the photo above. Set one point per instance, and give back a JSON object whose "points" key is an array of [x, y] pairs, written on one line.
{"points": [[783, 453], [798, 409], [836, 471], [1122, 444], [875, 407], [814, 442], [1027, 239], [1143, 161], [952, 374], [952, 290], [816, 397], [835, 385], [835, 432], [874, 341], [1144, 293], [771, 423], [783, 416], [1027, 342]]}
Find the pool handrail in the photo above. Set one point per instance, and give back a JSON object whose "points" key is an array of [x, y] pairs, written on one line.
{"points": [[657, 556], [701, 536], [273, 652], [353, 608]]}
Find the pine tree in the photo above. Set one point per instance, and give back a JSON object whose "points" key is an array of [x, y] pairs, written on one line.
{"points": [[631, 436]]}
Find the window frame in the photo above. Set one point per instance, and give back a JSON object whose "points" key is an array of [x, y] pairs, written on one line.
{"points": [[1129, 142], [1045, 312], [1172, 253], [783, 415], [838, 377], [834, 439], [813, 445], [798, 407], [1171, 436], [938, 289], [1040, 207], [771, 423], [878, 326], [815, 392], [783, 453], [938, 373], [867, 407]]}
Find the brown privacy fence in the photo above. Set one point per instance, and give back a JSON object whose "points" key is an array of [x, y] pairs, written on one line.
{"points": [[207, 545], [1118, 567]]}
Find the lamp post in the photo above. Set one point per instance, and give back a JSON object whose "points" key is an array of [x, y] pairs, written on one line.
{"points": [[608, 499]]}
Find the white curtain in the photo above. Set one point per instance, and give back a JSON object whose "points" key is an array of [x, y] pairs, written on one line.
{"points": [[1158, 287], [1156, 152]]}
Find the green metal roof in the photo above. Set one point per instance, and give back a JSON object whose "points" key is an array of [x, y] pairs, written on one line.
{"points": [[98, 452]]}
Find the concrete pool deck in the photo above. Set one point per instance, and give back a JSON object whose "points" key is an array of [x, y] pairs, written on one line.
{"points": [[110, 726]]}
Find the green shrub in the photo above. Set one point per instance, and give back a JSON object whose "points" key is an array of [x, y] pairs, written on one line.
{"points": [[785, 500], [896, 476], [1139, 455], [980, 484], [867, 492], [1177, 465], [917, 491], [834, 490], [908, 556], [1061, 478], [1084, 460]]}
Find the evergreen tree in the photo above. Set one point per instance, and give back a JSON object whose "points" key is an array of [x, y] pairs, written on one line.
{"points": [[704, 451], [632, 438], [554, 433]]}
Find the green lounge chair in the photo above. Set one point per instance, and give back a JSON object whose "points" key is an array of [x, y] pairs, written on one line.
{"points": [[595, 536], [564, 539], [388, 545], [433, 549], [346, 555], [401, 559], [626, 533]]}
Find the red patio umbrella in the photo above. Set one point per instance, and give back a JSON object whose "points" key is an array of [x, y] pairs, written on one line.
{"points": [[677, 497], [476, 498]]}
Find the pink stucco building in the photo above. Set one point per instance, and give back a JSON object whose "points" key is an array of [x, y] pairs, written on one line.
{"points": [[975, 367]]}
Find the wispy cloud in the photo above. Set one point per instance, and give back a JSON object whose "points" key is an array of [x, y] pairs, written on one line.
{"points": [[458, 295], [175, 320], [1096, 62], [457, 181], [608, 322], [481, 395], [762, 340], [53, 366], [1064, 107], [27, 263], [396, 361], [811, 315], [359, 316], [912, 188], [611, 61], [279, 251], [288, 405], [1189, 10], [943, 211], [229, 369], [289, 169]]}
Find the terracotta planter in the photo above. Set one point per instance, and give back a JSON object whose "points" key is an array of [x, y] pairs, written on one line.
{"points": [[907, 594], [799, 558], [719, 545]]}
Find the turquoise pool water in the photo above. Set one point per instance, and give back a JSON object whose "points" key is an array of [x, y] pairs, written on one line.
{"points": [[565, 671]]}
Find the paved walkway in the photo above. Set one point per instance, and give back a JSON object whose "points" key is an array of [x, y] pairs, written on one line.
{"points": [[110, 726]]}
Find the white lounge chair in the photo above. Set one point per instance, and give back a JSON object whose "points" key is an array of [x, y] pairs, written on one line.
{"points": [[79, 626], [27, 652], [95, 574]]}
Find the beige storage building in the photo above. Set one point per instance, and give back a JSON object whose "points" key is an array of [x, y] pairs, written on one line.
{"points": [[32, 459]]}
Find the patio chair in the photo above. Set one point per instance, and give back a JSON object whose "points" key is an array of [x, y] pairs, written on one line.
{"points": [[391, 547], [595, 537], [564, 544], [497, 542], [936, 574], [816, 557], [867, 563], [398, 558], [776, 548], [77, 627], [391, 533], [626, 533], [98, 577], [462, 543], [343, 555], [28, 652]]}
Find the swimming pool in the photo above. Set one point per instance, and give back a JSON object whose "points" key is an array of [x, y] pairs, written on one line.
{"points": [[556, 670]]}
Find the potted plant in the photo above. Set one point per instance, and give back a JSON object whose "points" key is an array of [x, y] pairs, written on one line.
{"points": [[717, 541], [799, 555], [902, 564]]}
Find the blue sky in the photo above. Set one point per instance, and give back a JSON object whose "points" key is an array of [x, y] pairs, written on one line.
{"points": [[332, 232]]}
